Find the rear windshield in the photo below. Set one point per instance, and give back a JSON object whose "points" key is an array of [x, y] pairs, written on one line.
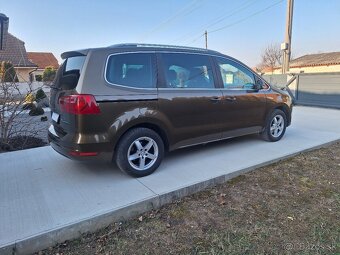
{"points": [[69, 73]]}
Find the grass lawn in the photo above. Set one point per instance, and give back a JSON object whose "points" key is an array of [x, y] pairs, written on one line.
{"points": [[290, 207]]}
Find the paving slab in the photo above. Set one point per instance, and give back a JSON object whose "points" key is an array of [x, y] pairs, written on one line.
{"points": [[46, 198]]}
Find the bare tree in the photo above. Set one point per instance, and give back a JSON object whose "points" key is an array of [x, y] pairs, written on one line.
{"points": [[270, 58], [13, 122]]}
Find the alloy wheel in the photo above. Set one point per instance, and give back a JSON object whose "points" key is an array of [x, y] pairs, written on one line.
{"points": [[142, 153], [277, 126]]}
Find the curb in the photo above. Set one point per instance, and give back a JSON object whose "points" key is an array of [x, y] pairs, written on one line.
{"points": [[71, 231]]}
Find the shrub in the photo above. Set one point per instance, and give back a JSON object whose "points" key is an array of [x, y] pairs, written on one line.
{"points": [[48, 74], [28, 106], [36, 111], [38, 77], [7, 72], [40, 95], [28, 102], [29, 98]]}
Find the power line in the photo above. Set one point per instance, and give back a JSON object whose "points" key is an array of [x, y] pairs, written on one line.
{"points": [[195, 39], [233, 13], [248, 17], [223, 17], [185, 11], [238, 21]]}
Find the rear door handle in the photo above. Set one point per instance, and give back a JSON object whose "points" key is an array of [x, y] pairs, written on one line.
{"points": [[230, 99], [215, 99]]}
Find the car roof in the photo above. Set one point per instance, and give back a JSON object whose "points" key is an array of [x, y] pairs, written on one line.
{"points": [[141, 47], [161, 47]]}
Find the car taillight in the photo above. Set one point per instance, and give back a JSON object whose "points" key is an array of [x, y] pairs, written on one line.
{"points": [[79, 104]]}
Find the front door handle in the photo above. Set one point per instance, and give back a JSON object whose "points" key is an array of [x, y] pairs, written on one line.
{"points": [[230, 99]]}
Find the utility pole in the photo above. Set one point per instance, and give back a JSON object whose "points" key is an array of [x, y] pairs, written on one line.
{"points": [[287, 45], [206, 39]]}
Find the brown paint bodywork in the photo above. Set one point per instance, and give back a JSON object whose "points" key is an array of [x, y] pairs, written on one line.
{"points": [[182, 117]]}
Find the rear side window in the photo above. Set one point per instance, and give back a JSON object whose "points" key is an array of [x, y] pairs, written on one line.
{"points": [[74, 64], [68, 74], [131, 70], [187, 71]]}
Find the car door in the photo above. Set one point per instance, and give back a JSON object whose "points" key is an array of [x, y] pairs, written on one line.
{"points": [[244, 105], [188, 97]]}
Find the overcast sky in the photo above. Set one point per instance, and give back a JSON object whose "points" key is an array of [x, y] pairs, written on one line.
{"points": [[241, 28]]}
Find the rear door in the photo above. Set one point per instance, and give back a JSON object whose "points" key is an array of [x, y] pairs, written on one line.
{"points": [[65, 84], [244, 107], [188, 97]]}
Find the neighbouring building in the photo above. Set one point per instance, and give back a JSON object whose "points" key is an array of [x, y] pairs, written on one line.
{"points": [[27, 65], [42, 60], [311, 63], [13, 50]]}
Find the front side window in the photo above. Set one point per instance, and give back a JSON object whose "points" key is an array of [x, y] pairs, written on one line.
{"points": [[187, 71], [234, 75], [131, 70]]}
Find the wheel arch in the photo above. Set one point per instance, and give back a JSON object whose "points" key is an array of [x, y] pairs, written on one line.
{"points": [[286, 110], [156, 127]]}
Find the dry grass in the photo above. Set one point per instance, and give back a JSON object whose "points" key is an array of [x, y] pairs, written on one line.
{"points": [[291, 207]]}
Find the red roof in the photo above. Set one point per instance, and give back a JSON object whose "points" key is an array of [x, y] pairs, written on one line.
{"points": [[43, 59]]}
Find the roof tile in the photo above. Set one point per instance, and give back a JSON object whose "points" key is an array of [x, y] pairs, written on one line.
{"points": [[43, 59], [15, 52], [330, 58]]}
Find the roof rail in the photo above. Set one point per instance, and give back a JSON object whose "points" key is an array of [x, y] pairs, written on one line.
{"points": [[130, 45]]}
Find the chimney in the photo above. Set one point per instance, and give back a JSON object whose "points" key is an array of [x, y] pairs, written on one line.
{"points": [[4, 20]]}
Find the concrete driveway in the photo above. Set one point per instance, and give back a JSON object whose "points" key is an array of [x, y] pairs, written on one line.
{"points": [[46, 198]]}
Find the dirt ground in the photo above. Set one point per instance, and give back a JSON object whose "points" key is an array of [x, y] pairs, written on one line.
{"points": [[290, 207]]}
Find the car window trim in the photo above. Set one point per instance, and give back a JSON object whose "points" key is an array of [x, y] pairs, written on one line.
{"points": [[158, 66], [256, 76], [235, 65], [153, 67]]}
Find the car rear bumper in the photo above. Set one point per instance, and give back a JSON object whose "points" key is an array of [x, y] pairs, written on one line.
{"points": [[76, 151]]}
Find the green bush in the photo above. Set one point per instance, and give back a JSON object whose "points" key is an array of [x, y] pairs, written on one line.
{"points": [[36, 111], [40, 95], [38, 77], [28, 106], [49, 74], [7, 72]]}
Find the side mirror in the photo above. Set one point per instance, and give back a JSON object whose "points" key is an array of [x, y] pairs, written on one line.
{"points": [[252, 87], [258, 85]]}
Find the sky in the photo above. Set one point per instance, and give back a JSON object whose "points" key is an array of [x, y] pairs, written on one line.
{"points": [[239, 28]]}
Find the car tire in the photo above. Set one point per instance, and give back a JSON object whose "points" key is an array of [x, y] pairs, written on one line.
{"points": [[139, 152], [275, 126]]}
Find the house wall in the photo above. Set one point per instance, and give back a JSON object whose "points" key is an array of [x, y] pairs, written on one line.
{"points": [[37, 72], [23, 73], [310, 69], [316, 69]]}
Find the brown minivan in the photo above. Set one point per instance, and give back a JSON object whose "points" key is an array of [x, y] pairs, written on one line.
{"points": [[132, 102]]}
